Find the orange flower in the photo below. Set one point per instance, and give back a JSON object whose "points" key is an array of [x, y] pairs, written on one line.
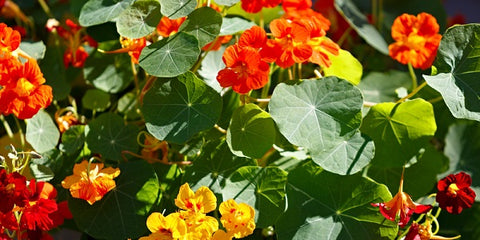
{"points": [[199, 225], [238, 219], [65, 119], [151, 150], [131, 46], [167, 26], [254, 6], [90, 181], [417, 40], [202, 201], [9, 38], [322, 47], [165, 228], [217, 43], [23, 93]]}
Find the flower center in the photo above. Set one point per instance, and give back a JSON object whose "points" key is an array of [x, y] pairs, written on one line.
{"points": [[415, 42], [24, 87], [452, 189]]}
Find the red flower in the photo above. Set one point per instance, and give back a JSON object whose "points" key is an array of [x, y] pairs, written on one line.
{"points": [[417, 40], [75, 55], [401, 205], [424, 232], [75, 59], [8, 221], [13, 191], [9, 38], [167, 26], [37, 213], [23, 92], [254, 6], [454, 193]]}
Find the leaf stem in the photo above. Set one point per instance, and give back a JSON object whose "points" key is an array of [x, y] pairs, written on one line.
{"points": [[414, 91], [45, 8], [412, 75], [20, 131], [220, 129], [7, 127]]}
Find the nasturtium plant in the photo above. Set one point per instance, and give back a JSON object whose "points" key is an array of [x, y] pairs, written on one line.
{"points": [[238, 119]]}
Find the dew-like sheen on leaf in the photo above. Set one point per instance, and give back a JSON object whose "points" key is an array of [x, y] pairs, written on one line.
{"points": [[176, 109]]}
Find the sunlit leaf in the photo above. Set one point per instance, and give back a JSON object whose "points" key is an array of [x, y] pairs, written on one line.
{"points": [[122, 212], [174, 9], [227, 2], [139, 19], [42, 133], [399, 130], [176, 109], [458, 71], [211, 65], [34, 49], [96, 12], [345, 66], [170, 57], [251, 132], [261, 188], [233, 25], [322, 205]]}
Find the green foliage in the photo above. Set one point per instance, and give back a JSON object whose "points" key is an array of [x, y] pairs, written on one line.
{"points": [[345, 66], [96, 12], [333, 207], [203, 23], [96, 100], [176, 109], [73, 139], [125, 206], [139, 19], [174, 9], [233, 25], [42, 133]]}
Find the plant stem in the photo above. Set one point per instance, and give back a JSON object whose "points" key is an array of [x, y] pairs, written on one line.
{"points": [[7, 127], [415, 91], [412, 75], [45, 8], [20, 131]]}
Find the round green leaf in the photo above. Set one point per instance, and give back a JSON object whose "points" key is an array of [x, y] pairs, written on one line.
{"points": [[176, 109], [213, 166], [174, 9], [233, 25], [170, 57], [227, 2], [96, 99], [139, 19], [41, 172], [380, 87], [458, 71], [251, 132], [317, 114], [261, 188], [399, 130], [73, 139], [128, 105], [122, 212], [34, 49], [96, 12], [345, 66], [348, 157], [463, 148], [203, 23], [211, 65], [42, 133], [360, 23], [322, 205], [107, 72], [109, 136]]}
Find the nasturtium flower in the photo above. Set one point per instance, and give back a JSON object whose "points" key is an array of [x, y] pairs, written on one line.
{"points": [[221, 235], [165, 228], [401, 206], [454, 193], [322, 48], [23, 92], [424, 232], [13, 191], [131, 46], [202, 201], [90, 181], [254, 6], [8, 221], [37, 213], [416, 40], [9, 38], [238, 219], [167, 27], [199, 225]]}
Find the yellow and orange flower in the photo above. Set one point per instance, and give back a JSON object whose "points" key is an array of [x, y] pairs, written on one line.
{"points": [[167, 26], [165, 228], [417, 40], [90, 181], [202, 201], [9, 38], [199, 225], [238, 219]]}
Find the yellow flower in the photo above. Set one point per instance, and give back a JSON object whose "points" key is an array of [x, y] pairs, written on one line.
{"points": [[238, 219], [165, 228], [199, 225], [90, 181], [222, 235], [202, 201]]}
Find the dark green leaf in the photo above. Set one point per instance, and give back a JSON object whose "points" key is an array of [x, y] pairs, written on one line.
{"points": [[96, 12], [174, 9], [122, 213], [360, 23], [128, 105], [399, 130], [317, 114], [109, 136], [42, 133], [380, 87], [41, 172], [55, 73], [251, 132], [73, 139], [322, 205], [458, 71], [140, 19], [96, 99], [261, 188], [176, 109], [170, 57], [203, 23]]}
